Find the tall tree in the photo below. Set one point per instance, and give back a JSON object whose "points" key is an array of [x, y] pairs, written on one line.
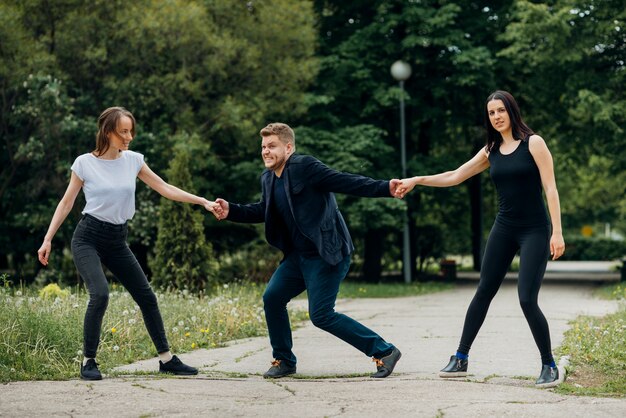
{"points": [[568, 62], [451, 47], [218, 69]]}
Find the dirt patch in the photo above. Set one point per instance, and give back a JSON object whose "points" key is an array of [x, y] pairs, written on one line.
{"points": [[587, 377]]}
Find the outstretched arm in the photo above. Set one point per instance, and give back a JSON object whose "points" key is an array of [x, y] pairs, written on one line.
{"points": [[327, 179], [172, 192], [543, 159], [477, 164], [63, 209]]}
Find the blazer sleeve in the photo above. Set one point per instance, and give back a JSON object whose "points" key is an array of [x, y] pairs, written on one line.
{"points": [[326, 179], [250, 213]]}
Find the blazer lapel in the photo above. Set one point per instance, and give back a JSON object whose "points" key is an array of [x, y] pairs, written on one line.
{"points": [[269, 186]]}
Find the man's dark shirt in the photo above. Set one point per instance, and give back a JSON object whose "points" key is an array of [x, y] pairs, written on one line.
{"points": [[296, 240]]}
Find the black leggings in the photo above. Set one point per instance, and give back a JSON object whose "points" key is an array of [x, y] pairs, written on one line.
{"points": [[97, 242], [503, 243]]}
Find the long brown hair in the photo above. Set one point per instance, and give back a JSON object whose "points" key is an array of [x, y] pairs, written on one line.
{"points": [[107, 123], [520, 130]]}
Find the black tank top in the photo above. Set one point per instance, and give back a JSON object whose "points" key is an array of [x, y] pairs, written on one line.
{"points": [[519, 188]]}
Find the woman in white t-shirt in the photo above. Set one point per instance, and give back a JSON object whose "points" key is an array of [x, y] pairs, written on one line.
{"points": [[107, 176]]}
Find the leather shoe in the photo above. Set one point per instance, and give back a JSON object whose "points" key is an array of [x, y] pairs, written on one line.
{"points": [[456, 368], [386, 364], [279, 369], [550, 377]]}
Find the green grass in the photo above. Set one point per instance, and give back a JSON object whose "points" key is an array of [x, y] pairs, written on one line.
{"points": [[612, 291], [41, 331], [351, 290], [41, 335], [596, 347]]}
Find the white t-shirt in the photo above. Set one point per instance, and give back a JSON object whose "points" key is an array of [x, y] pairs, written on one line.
{"points": [[109, 185]]}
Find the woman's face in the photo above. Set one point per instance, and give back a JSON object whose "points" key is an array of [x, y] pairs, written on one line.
{"points": [[121, 138], [498, 116]]}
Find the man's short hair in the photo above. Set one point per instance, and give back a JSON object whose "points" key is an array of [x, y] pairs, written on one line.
{"points": [[282, 131]]}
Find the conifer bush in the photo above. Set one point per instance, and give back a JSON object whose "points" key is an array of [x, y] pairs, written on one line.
{"points": [[183, 259]]}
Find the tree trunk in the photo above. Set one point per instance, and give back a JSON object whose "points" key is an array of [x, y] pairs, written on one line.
{"points": [[476, 200], [372, 259]]}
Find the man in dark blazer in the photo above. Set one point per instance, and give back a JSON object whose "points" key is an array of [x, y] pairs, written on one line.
{"points": [[303, 221]]}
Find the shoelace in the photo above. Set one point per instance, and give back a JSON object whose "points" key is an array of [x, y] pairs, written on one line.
{"points": [[379, 362], [276, 363]]}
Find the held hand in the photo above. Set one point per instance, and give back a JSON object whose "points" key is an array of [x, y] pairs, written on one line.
{"points": [[44, 252], [210, 206], [222, 211], [404, 186], [393, 187], [557, 246]]}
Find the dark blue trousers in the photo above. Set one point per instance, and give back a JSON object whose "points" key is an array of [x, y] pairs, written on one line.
{"points": [[321, 281]]}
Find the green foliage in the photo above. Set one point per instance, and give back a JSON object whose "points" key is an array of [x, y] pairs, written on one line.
{"points": [[567, 65], [183, 259], [594, 249], [613, 291], [253, 262], [223, 69], [593, 192], [429, 245], [356, 149], [53, 291], [218, 69]]}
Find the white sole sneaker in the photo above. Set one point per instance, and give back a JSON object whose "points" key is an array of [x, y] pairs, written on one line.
{"points": [[453, 374]]}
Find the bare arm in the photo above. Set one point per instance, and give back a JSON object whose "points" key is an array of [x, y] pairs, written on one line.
{"points": [[450, 178], [171, 192], [63, 209], [543, 159]]}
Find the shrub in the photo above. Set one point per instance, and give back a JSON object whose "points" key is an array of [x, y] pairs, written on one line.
{"points": [[53, 291], [183, 258], [591, 249]]}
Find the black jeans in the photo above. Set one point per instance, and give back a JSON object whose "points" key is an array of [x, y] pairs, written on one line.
{"points": [[533, 244], [95, 243]]}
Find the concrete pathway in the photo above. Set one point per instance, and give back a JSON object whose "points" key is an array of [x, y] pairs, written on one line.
{"points": [[504, 363]]}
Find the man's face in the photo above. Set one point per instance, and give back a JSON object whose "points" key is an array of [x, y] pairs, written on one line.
{"points": [[275, 153]]}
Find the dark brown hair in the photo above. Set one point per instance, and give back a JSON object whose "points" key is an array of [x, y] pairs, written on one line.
{"points": [[283, 131], [520, 130], [107, 123]]}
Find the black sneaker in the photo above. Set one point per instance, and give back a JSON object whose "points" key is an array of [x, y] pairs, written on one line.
{"points": [[550, 377], [386, 364], [456, 368], [175, 366], [279, 369], [90, 370]]}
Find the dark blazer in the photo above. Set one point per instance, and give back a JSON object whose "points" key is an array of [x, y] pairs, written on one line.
{"points": [[309, 186]]}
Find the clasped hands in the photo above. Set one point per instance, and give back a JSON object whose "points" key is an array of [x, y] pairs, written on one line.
{"points": [[219, 208], [399, 188]]}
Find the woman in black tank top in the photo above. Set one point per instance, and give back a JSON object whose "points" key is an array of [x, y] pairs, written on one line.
{"points": [[521, 167]]}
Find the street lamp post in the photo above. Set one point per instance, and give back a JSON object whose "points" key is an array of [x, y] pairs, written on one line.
{"points": [[401, 71]]}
